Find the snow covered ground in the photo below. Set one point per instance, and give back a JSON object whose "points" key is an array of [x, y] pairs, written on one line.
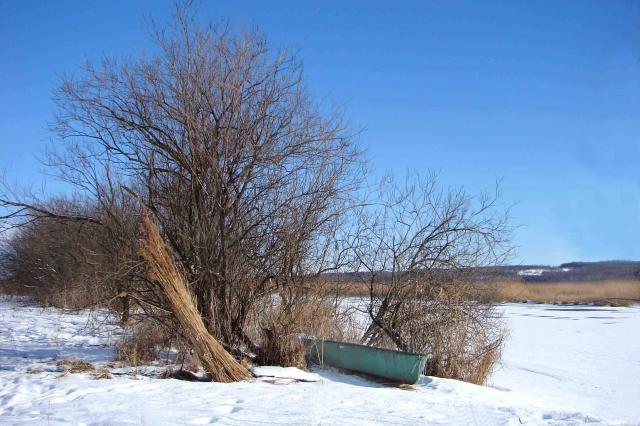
{"points": [[563, 365]]}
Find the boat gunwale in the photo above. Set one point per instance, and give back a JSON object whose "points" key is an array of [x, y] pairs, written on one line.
{"points": [[395, 351]]}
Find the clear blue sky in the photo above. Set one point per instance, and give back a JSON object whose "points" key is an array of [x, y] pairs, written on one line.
{"points": [[545, 95]]}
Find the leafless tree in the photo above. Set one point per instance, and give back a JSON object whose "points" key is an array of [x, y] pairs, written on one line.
{"points": [[251, 183], [420, 244], [217, 137]]}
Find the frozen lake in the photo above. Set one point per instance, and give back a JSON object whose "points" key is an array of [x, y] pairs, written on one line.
{"points": [[580, 358]]}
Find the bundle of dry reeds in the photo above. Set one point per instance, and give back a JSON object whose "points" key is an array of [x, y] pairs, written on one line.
{"points": [[216, 361]]}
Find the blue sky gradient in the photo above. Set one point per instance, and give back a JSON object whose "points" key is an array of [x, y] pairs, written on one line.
{"points": [[543, 95]]}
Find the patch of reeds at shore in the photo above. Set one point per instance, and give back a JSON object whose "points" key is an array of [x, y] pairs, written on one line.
{"points": [[605, 292]]}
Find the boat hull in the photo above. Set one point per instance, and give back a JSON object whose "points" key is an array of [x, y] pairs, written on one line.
{"points": [[386, 364]]}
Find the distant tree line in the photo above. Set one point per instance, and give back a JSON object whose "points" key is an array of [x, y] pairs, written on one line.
{"points": [[566, 272]]}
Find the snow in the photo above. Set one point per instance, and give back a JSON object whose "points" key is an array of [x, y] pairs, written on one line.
{"points": [[586, 358], [532, 272], [290, 373], [539, 271], [561, 367]]}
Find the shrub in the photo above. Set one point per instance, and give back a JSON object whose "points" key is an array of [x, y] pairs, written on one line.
{"points": [[464, 337], [141, 343], [67, 263], [281, 321]]}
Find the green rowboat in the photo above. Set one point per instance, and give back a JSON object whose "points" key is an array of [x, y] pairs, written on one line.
{"points": [[387, 364]]}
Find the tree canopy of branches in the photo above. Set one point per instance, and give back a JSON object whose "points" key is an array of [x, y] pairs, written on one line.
{"points": [[218, 138], [252, 185], [420, 243]]}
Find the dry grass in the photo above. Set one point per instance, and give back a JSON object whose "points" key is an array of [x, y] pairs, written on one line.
{"points": [[277, 322], [607, 292], [217, 362], [610, 292], [75, 366], [278, 347], [141, 343], [463, 337], [102, 373], [467, 358], [279, 325]]}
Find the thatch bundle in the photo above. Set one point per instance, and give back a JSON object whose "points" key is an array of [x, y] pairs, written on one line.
{"points": [[216, 361]]}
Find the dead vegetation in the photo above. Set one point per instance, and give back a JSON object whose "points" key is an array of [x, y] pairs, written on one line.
{"points": [[416, 246], [605, 292], [102, 373], [465, 337], [75, 366], [283, 318], [142, 342], [216, 361], [610, 292]]}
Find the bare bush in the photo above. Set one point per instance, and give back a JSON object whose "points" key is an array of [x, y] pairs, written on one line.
{"points": [[64, 261], [280, 321], [418, 245], [142, 342], [218, 138], [50, 259]]}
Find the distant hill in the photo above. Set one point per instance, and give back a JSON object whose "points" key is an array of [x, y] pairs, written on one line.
{"points": [[572, 271], [569, 272]]}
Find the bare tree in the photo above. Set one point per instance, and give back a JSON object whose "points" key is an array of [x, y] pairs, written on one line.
{"points": [[420, 244], [217, 137], [250, 182]]}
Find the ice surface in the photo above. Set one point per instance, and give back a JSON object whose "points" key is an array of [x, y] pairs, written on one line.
{"points": [[579, 358]]}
